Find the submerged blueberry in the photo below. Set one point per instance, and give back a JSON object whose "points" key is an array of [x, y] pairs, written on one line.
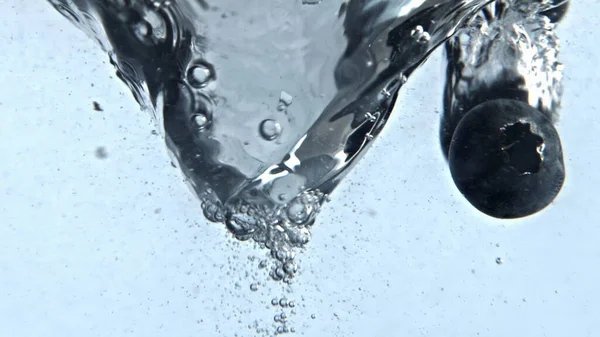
{"points": [[506, 159]]}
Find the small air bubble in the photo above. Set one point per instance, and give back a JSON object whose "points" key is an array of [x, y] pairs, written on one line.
{"points": [[290, 267], [292, 304], [283, 302], [254, 287], [275, 302], [297, 212], [141, 30], [200, 121], [313, 316], [199, 75], [270, 129], [499, 260], [420, 35]]}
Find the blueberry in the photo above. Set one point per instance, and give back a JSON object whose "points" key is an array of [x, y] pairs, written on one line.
{"points": [[506, 159]]}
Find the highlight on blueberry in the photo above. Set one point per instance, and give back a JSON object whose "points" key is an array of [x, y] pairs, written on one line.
{"points": [[506, 159]]}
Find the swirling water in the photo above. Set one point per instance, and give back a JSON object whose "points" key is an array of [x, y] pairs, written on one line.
{"points": [[266, 105]]}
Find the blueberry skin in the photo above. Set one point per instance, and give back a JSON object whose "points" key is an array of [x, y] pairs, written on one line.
{"points": [[506, 159]]}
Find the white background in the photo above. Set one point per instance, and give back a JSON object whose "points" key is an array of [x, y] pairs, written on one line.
{"points": [[119, 247]]}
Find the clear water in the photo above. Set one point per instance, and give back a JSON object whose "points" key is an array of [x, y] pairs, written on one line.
{"points": [[266, 105]]}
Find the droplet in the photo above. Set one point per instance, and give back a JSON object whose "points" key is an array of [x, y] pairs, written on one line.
{"points": [[254, 287], [270, 129], [199, 75]]}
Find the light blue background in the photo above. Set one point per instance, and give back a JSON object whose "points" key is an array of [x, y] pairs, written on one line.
{"points": [[119, 247]]}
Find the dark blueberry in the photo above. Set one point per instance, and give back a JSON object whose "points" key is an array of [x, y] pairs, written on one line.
{"points": [[506, 159]]}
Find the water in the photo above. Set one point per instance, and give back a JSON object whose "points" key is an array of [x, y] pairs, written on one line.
{"points": [[266, 105]]}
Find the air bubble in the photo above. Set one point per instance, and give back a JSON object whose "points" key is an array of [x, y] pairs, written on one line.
{"points": [[297, 212], [290, 267], [313, 316], [200, 75], [270, 129], [200, 121], [275, 302], [254, 287], [283, 302], [420, 35], [142, 30]]}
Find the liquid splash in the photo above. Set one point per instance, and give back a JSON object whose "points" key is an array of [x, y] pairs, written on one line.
{"points": [[266, 105]]}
